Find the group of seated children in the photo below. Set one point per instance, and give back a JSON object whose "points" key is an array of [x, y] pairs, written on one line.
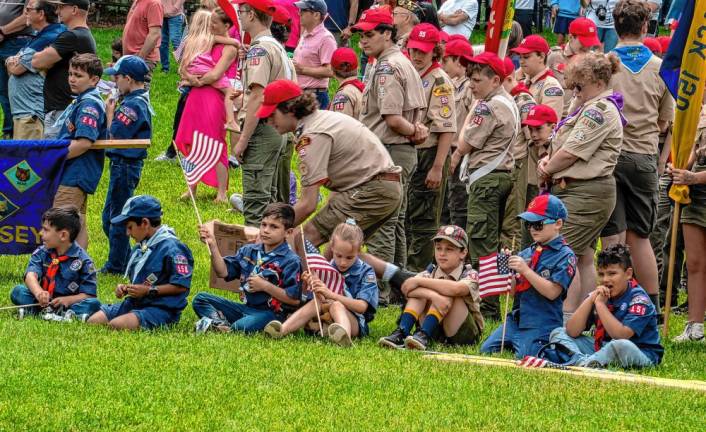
{"points": [[442, 303]]}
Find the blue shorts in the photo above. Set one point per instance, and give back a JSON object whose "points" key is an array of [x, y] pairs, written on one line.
{"points": [[150, 317], [561, 24]]}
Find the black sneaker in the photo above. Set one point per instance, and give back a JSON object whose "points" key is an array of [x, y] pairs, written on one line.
{"points": [[395, 340], [418, 341]]}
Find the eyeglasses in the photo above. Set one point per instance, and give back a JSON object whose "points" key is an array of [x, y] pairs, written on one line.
{"points": [[27, 9], [538, 226]]}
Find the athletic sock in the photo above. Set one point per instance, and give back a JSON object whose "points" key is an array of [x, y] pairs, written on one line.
{"points": [[407, 320], [432, 320]]}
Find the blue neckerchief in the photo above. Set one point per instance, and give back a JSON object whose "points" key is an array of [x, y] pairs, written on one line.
{"points": [[140, 254], [257, 268], [91, 94], [634, 57]]}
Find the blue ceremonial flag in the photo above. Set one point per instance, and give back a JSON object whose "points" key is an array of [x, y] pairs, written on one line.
{"points": [[30, 172]]}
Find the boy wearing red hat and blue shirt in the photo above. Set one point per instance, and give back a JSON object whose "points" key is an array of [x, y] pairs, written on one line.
{"points": [[625, 319], [349, 96], [544, 272], [132, 119]]}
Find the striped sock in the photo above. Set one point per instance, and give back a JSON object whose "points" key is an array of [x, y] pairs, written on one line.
{"points": [[407, 320], [432, 320]]}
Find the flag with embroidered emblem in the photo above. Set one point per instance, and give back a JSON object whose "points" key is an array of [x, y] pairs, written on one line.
{"points": [[204, 155], [494, 275], [323, 269]]}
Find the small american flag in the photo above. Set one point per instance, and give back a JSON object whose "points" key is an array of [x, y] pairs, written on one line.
{"points": [[536, 362], [324, 270], [204, 154], [494, 275]]}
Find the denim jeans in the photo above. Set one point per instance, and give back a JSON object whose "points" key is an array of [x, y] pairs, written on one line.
{"points": [[618, 351], [240, 316], [21, 295], [172, 28], [124, 178], [522, 341], [8, 48], [609, 38], [322, 98]]}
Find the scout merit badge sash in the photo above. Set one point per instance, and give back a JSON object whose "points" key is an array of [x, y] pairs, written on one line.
{"points": [[49, 279], [286, 63], [142, 252], [493, 164]]}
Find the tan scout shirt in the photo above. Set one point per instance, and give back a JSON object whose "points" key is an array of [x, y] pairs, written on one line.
{"points": [[647, 100], [440, 112], [263, 64], [463, 98], [392, 88], [348, 99], [546, 90], [469, 277], [490, 129], [339, 152], [594, 135], [524, 102], [557, 62]]}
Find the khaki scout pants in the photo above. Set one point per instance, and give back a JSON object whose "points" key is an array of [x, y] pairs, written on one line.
{"points": [[487, 199], [27, 128], [389, 242], [260, 172], [423, 212], [512, 228]]}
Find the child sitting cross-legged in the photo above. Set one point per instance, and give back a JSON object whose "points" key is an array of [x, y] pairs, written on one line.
{"points": [[624, 317], [442, 302], [346, 315]]}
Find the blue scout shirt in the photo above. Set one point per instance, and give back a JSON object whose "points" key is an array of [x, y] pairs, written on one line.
{"points": [[361, 284], [557, 263], [281, 267], [85, 118], [77, 275], [634, 309], [132, 120], [169, 262]]}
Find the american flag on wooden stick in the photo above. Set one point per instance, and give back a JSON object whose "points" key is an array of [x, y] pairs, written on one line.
{"points": [[494, 275], [536, 362], [324, 270], [204, 154]]}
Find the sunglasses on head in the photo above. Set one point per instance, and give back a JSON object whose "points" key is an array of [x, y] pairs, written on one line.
{"points": [[538, 226]]}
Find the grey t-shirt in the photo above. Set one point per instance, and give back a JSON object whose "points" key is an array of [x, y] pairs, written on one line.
{"points": [[11, 9]]}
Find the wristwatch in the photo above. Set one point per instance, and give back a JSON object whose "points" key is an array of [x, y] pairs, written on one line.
{"points": [[153, 292]]}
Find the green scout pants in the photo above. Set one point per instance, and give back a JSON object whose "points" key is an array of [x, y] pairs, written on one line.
{"points": [[389, 242], [284, 167], [423, 212], [259, 172], [512, 228], [532, 192], [487, 199], [660, 239], [455, 201]]}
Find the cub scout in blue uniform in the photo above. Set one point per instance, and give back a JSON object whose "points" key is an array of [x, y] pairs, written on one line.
{"points": [[60, 275], [159, 270], [83, 122], [268, 273], [131, 119], [344, 315], [442, 302], [545, 271], [625, 319]]}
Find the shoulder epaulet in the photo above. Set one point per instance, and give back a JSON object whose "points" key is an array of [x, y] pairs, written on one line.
{"points": [[601, 105]]}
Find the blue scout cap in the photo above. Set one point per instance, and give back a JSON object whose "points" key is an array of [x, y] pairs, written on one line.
{"points": [[454, 234], [314, 5], [130, 65], [142, 206], [544, 207]]}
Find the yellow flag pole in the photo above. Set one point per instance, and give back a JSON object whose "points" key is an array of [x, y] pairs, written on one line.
{"points": [[670, 268]]}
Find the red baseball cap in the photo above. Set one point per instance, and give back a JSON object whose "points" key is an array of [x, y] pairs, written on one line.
{"points": [[344, 59], [539, 115], [458, 37], [459, 48], [281, 15], [509, 66], [532, 43], [585, 31], [276, 92], [423, 37], [653, 44], [664, 42], [371, 18], [265, 6], [492, 60]]}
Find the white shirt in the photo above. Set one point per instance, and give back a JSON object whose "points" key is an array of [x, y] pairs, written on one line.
{"points": [[469, 7], [593, 7]]}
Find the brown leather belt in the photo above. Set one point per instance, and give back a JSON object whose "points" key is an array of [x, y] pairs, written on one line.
{"points": [[388, 176]]}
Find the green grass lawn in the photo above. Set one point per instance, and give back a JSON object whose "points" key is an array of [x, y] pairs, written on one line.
{"points": [[56, 376]]}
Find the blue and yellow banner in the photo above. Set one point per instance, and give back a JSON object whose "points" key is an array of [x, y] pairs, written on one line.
{"points": [[684, 72], [30, 172]]}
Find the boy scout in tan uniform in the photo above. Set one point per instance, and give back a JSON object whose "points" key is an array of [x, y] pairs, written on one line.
{"points": [[349, 98], [425, 199], [259, 145], [487, 138], [393, 89]]}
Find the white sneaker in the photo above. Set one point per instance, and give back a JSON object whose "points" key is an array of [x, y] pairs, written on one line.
{"points": [[203, 325], [692, 332], [164, 158]]}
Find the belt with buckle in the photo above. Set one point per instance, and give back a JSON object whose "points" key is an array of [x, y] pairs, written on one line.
{"points": [[388, 176]]}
